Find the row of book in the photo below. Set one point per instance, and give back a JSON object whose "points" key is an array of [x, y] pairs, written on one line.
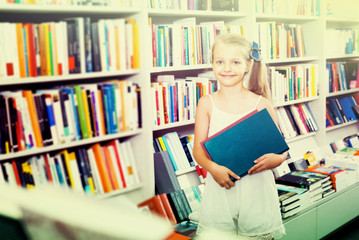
{"points": [[69, 113], [92, 170], [342, 75], [346, 41], [206, 5], [72, 45], [293, 82], [186, 43], [175, 206], [295, 120], [109, 3], [286, 7], [178, 148], [342, 109], [175, 100], [279, 41]]}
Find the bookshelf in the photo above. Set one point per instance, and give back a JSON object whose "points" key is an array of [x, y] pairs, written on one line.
{"points": [[314, 24], [314, 27], [37, 13]]}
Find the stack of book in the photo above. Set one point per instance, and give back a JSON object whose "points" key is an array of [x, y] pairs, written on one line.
{"points": [[307, 180], [292, 199], [337, 175], [347, 159], [176, 206]]}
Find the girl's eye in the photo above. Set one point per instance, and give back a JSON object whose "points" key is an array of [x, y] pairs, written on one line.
{"points": [[219, 62], [236, 62]]}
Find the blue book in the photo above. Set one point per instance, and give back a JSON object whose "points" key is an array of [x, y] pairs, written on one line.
{"points": [[335, 110], [73, 101], [347, 105], [244, 141], [110, 93]]}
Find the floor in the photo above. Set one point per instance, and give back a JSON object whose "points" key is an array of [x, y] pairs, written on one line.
{"points": [[350, 231]]}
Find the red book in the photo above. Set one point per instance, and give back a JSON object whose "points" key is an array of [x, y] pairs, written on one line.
{"points": [[31, 49], [168, 208], [165, 103], [19, 128], [155, 205], [16, 173], [110, 168], [115, 145], [157, 109], [304, 118], [47, 168]]}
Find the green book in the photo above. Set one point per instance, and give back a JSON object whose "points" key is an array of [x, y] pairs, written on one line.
{"points": [[81, 111]]}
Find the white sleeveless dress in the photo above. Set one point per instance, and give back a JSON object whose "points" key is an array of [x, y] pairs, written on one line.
{"points": [[250, 209]]}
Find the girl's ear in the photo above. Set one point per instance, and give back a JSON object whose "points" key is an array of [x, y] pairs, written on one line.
{"points": [[249, 63]]}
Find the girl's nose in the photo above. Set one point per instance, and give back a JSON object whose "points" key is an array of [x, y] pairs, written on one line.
{"points": [[227, 67]]}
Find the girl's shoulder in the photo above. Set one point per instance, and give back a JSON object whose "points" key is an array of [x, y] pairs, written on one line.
{"points": [[205, 103], [265, 103]]}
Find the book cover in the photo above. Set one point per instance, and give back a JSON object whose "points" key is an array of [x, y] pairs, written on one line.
{"points": [[300, 179], [165, 176], [242, 151], [168, 208], [156, 206]]}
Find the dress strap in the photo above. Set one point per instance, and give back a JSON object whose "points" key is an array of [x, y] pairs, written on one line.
{"points": [[259, 99], [210, 97]]}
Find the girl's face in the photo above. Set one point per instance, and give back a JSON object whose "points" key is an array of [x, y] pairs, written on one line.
{"points": [[229, 65]]}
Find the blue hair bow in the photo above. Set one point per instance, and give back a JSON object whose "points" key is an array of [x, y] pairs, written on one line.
{"points": [[255, 52]]}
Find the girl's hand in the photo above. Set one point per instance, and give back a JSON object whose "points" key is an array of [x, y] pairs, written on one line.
{"points": [[265, 162], [221, 175]]}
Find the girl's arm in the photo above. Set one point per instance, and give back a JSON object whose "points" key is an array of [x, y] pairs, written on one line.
{"points": [[219, 173], [270, 160]]}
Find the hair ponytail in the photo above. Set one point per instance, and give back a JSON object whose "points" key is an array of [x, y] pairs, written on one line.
{"points": [[258, 80]]}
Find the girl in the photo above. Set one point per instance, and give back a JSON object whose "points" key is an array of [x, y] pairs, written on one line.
{"points": [[249, 207]]}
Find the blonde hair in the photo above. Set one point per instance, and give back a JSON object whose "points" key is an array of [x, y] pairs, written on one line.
{"points": [[258, 80]]}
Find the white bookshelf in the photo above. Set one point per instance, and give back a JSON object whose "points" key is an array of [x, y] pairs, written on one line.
{"points": [[139, 138]]}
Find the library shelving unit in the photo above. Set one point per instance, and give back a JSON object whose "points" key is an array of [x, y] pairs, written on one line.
{"points": [[345, 19], [38, 13], [314, 22]]}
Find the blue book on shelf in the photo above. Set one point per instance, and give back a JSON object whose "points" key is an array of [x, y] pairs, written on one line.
{"points": [[170, 152], [346, 104], [72, 96], [336, 112], [238, 145]]}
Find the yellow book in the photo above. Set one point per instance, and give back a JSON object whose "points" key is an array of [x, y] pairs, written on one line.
{"points": [[136, 46], [313, 82], [21, 49], [118, 49], [162, 144], [67, 158], [123, 95], [26, 168], [87, 113], [91, 184]]}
